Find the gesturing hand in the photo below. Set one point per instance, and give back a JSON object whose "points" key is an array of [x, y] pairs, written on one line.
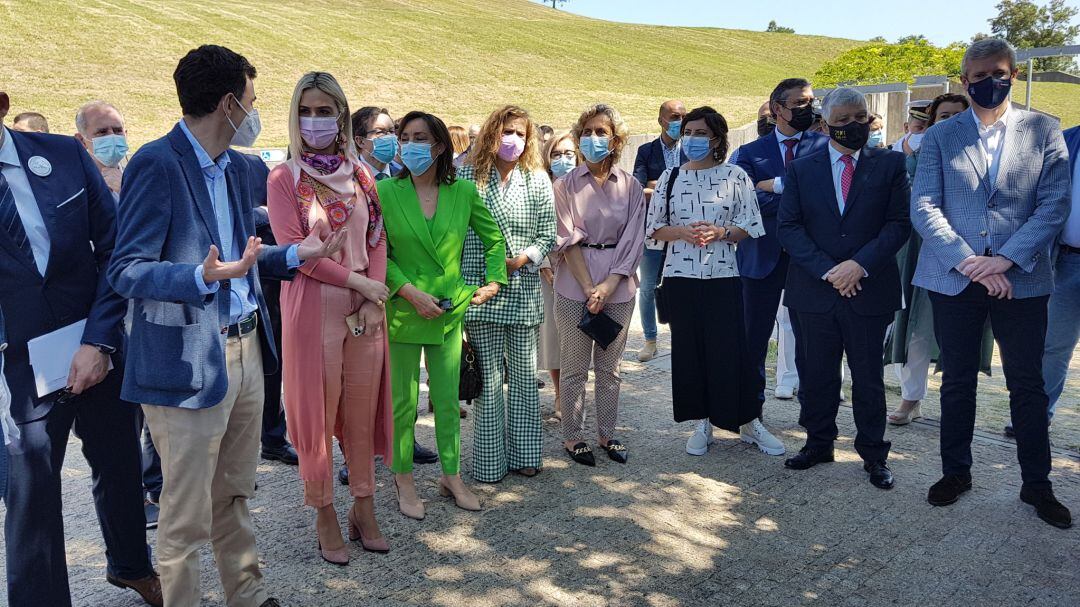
{"points": [[485, 293], [214, 269], [979, 267], [321, 242], [89, 366]]}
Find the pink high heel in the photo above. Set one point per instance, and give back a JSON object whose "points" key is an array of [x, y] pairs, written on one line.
{"points": [[378, 545]]}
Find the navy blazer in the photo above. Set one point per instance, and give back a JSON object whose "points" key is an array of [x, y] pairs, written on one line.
{"points": [[166, 226], [761, 159], [80, 216], [650, 164], [873, 228], [1072, 142]]}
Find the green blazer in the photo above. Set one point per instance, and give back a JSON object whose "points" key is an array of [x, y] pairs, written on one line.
{"points": [[430, 258]]}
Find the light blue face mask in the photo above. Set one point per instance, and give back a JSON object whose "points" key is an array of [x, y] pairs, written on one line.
{"points": [[384, 148], [417, 157], [674, 129], [562, 165], [110, 149], [594, 148], [696, 147], [876, 139]]}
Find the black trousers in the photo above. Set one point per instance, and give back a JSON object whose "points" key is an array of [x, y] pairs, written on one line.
{"points": [[822, 340], [273, 419], [712, 377], [1019, 327], [34, 527], [761, 300]]}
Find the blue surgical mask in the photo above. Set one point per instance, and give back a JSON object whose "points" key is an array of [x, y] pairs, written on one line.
{"points": [[876, 139], [384, 148], [696, 147], [594, 148], [110, 149], [562, 165], [417, 157], [674, 129]]}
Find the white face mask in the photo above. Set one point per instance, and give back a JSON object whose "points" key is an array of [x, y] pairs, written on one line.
{"points": [[249, 128]]}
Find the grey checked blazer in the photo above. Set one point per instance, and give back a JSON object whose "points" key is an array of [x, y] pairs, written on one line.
{"points": [[959, 213]]}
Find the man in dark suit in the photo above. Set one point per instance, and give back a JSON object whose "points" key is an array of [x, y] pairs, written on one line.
{"points": [[652, 160], [843, 218], [57, 229], [763, 264]]}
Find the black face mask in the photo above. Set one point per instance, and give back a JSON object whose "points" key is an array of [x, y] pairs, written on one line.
{"points": [[802, 118], [852, 135], [764, 126], [990, 92]]}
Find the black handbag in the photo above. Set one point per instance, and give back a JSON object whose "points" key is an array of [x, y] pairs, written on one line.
{"points": [[600, 327], [662, 297], [472, 381]]}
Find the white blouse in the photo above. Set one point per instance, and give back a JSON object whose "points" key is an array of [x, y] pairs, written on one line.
{"points": [[722, 196]]}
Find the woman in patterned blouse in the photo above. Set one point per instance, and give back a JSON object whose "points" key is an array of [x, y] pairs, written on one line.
{"points": [[508, 170], [701, 210]]}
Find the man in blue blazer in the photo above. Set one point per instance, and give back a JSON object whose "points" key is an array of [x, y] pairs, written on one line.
{"points": [[843, 218], [186, 256], [990, 197], [57, 229], [762, 262]]}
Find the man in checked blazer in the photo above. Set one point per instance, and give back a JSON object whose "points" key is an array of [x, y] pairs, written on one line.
{"points": [[990, 196]]}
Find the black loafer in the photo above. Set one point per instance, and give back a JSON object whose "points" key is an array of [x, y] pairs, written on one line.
{"points": [[880, 475], [422, 455], [582, 454], [616, 451], [947, 490], [808, 457], [270, 602], [1047, 507], [284, 454], [343, 474]]}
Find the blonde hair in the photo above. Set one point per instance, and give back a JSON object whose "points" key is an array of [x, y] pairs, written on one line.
{"points": [[620, 131], [460, 138], [555, 140], [329, 85], [486, 147]]}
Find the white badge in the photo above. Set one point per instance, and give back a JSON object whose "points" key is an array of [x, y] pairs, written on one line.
{"points": [[39, 166]]}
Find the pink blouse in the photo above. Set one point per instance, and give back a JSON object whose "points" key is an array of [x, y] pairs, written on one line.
{"points": [[614, 214]]}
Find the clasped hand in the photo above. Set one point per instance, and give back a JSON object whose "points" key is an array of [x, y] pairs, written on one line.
{"points": [[846, 277], [701, 233], [989, 271]]}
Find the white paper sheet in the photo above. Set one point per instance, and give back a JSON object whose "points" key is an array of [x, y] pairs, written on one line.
{"points": [[51, 354]]}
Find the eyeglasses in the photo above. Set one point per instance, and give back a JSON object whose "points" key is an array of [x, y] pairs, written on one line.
{"points": [[379, 133], [567, 155]]}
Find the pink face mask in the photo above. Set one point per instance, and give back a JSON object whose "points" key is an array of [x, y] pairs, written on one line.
{"points": [[318, 131], [511, 147]]}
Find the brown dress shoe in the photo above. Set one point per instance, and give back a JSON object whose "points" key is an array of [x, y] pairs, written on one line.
{"points": [[149, 588]]}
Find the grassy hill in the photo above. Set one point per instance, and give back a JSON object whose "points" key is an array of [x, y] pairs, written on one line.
{"points": [[456, 58], [1057, 98]]}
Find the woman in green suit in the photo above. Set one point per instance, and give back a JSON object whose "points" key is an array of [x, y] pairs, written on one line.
{"points": [[427, 212]]}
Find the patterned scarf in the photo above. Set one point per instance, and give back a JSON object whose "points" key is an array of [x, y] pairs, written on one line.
{"points": [[325, 164]]}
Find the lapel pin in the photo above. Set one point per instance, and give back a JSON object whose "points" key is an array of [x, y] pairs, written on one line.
{"points": [[39, 166]]}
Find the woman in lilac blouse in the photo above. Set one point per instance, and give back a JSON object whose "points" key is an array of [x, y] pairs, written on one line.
{"points": [[600, 230]]}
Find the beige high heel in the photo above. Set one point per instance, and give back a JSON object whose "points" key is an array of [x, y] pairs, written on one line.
{"points": [[897, 418], [469, 501], [411, 510]]}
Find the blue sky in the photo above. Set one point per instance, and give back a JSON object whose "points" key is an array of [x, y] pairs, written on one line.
{"points": [[940, 21]]}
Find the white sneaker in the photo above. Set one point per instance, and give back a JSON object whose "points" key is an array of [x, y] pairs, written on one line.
{"points": [[784, 392], [756, 433], [699, 441]]}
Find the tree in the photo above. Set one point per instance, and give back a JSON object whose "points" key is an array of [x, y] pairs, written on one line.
{"points": [[779, 29], [1027, 25], [912, 38], [878, 39], [882, 63], [554, 2]]}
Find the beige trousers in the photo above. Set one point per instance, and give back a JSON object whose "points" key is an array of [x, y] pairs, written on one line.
{"points": [[208, 460]]}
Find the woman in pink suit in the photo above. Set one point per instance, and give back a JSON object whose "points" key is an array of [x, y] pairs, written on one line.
{"points": [[334, 346]]}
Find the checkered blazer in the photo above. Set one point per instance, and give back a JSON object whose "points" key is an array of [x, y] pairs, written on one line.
{"points": [[959, 213], [525, 212]]}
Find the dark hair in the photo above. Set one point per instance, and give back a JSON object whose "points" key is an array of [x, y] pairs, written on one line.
{"points": [[716, 124], [779, 94], [444, 164], [33, 120], [208, 73], [363, 117], [946, 98], [547, 130]]}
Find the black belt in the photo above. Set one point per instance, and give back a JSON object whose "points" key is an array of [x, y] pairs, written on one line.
{"points": [[598, 246], [1067, 249], [244, 326]]}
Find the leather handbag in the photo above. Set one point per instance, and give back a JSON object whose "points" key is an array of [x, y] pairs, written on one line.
{"points": [[600, 327], [472, 381], [662, 297]]}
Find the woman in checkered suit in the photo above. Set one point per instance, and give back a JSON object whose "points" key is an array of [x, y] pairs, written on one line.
{"points": [[506, 165]]}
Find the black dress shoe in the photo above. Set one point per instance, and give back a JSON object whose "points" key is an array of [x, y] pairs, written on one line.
{"points": [[880, 475], [270, 602], [808, 457], [422, 455], [947, 490], [582, 454], [1047, 506], [343, 474], [284, 454], [616, 451], [1009, 431]]}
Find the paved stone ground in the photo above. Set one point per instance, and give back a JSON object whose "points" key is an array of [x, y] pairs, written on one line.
{"points": [[731, 528]]}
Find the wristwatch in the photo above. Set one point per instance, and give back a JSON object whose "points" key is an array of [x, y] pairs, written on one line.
{"points": [[106, 350]]}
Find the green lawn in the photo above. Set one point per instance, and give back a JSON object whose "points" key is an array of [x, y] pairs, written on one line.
{"points": [[457, 58], [1059, 99]]}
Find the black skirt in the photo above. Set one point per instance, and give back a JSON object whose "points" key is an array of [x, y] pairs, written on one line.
{"points": [[712, 376]]}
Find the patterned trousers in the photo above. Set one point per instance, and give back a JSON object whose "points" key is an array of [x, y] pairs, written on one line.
{"points": [[579, 352], [506, 431]]}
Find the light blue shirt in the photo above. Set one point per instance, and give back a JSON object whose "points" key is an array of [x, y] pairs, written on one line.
{"points": [[242, 300], [25, 201], [778, 182], [838, 170]]}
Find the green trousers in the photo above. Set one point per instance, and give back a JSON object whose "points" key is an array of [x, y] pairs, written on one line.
{"points": [[443, 364]]}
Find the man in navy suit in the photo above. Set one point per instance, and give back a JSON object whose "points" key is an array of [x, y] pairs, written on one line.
{"points": [[57, 229], [376, 141], [762, 262], [187, 257], [652, 160], [843, 217]]}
